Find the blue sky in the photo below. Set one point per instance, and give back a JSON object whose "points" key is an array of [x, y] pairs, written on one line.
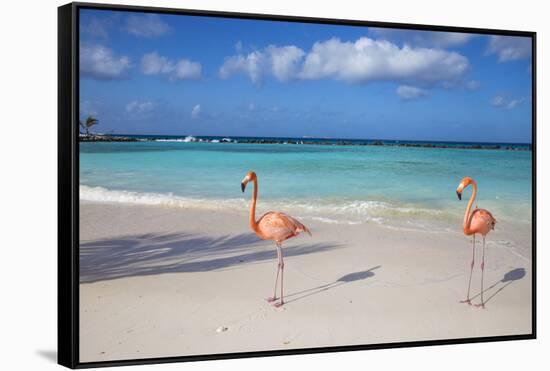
{"points": [[189, 75]]}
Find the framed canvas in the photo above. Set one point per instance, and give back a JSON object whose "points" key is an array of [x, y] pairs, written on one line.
{"points": [[241, 185]]}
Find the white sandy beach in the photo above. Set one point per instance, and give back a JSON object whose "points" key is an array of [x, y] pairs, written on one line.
{"points": [[159, 281]]}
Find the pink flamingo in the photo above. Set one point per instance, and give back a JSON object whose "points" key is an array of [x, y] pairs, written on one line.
{"points": [[479, 221], [274, 226]]}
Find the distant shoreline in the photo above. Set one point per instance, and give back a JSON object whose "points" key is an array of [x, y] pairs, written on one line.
{"points": [[303, 141]]}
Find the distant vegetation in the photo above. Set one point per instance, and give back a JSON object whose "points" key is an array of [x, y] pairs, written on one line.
{"points": [[86, 125]]}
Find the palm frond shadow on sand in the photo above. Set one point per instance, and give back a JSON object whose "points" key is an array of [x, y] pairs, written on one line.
{"points": [[149, 254]]}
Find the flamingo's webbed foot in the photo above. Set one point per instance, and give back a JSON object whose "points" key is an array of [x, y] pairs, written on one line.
{"points": [[271, 299], [278, 304], [482, 305], [466, 301]]}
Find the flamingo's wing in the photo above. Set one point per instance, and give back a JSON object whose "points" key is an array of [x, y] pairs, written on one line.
{"points": [[279, 226], [298, 227], [486, 216]]}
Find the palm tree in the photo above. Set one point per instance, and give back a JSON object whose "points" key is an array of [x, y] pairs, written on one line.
{"points": [[86, 125]]}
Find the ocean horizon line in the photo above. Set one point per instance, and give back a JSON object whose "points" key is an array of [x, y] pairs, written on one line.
{"points": [[111, 137], [306, 137]]}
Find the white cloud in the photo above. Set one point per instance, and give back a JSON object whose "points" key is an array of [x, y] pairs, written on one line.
{"points": [[148, 25], [139, 107], [513, 103], [361, 61], [509, 48], [501, 101], [153, 64], [436, 39], [249, 64], [196, 111], [99, 62], [281, 62], [184, 69], [497, 101], [284, 61], [373, 60], [96, 27], [407, 92]]}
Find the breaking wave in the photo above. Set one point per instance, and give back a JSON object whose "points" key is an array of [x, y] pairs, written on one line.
{"points": [[322, 210]]}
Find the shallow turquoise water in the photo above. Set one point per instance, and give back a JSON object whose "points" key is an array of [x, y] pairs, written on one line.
{"points": [[333, 183]]}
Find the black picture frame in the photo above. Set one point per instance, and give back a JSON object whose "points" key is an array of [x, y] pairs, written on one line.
{"points": [[68, 183]]}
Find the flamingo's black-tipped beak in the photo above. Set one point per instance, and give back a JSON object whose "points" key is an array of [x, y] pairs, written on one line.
{"points": [[459, 195], [243, 186]]}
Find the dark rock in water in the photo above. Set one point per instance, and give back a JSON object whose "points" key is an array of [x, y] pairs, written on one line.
{"points": [[344, 143]]}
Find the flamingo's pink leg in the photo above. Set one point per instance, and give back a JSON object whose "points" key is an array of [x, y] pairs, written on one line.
{"points": [[467, 300], [282, 268], [274, 297], [482, 304]]}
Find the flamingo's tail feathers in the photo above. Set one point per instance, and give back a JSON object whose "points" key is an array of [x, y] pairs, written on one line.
{"points": [[493, 220], [300, 227], [303, 228]]}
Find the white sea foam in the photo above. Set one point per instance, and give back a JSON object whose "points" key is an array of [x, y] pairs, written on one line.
{"points": [[333, 221], [321, 210], [187, 139], [101, 194], [190, 139]]}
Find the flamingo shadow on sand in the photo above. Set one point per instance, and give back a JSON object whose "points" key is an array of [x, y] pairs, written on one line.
{"points": [[348, 278], [508, 279]]}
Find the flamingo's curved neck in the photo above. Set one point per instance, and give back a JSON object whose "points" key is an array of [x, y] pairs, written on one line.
{"points": [[252, 215], [467, 214]]}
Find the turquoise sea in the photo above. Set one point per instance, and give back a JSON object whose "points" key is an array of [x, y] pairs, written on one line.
{"points": [[403, 187]]}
